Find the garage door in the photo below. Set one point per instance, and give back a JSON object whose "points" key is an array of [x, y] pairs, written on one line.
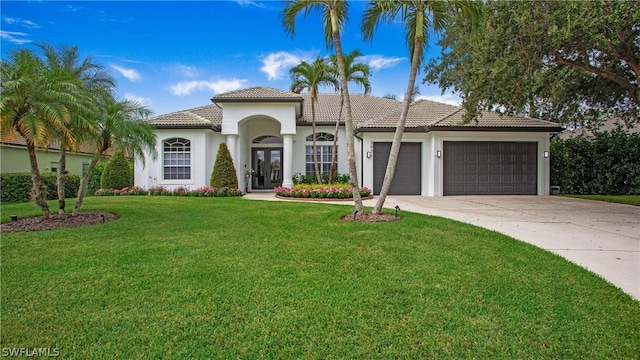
{"points": [[407, 179], [490, 168]]}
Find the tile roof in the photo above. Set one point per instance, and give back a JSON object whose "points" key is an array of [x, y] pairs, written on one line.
{"points": [[493, 120], [606, 126], [257, 93], [204, 116], [363, 108], [369, 112]]}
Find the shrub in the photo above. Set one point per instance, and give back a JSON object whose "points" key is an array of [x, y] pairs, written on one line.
{"points": [[16, 187], [206, 191], [309, 179], [94, 180], [117, 173], [224, 173], [608, 164], [319, 191]]}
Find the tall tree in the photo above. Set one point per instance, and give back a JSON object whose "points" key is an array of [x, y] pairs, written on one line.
{"points": [[119, 127], [357, 73], [563, 61], [334, 14], [36, 103], [418, 17], [305, 76], [93, 78]]}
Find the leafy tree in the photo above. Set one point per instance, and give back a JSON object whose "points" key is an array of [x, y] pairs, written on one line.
{"points": [[564, 61], [224, 172], [93, 78], [119, 128], [117, 172], [359, 74], [334, 14], [418, 17], [305, 76], [36, 102]]}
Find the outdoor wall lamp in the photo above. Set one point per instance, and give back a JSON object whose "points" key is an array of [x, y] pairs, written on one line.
{"points": [[368, 154], [438, 154], [546, 154]]}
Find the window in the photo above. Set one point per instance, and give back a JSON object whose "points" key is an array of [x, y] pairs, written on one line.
{"points": [[324, 148], [177, 159], [267, 139]]}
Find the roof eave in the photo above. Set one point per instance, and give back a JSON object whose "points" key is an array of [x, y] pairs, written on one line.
{"points": [[497, 128], [216, 128]]}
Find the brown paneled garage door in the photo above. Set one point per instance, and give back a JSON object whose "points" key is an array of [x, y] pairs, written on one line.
{"points": [[490, 168], [407, 179]]}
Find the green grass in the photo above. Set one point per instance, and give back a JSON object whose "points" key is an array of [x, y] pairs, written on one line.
{"points": [[620, 199], [179, 277]]}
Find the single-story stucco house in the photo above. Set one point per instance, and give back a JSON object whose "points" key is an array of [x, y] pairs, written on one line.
{"points": [[269, 135]]}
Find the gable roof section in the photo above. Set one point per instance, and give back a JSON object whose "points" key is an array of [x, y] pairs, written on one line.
{"points": [[204, 117], [421, 113], [257, 94]]}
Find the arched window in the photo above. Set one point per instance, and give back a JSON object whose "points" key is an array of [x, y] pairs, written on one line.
{"points": [[267, 139], [324, 148], [177, 159], [321, 137]]}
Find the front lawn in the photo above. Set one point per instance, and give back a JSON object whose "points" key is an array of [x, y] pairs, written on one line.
{"points": [[180, 277], [620, 199]]}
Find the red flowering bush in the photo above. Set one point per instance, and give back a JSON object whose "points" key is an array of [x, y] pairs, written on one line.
{"points": [[336, 191]]}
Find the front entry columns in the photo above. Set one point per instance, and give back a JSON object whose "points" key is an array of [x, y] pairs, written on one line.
{"points": [[287, 160], [232, 141]]}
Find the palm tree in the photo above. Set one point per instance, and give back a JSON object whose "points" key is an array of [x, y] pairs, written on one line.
{"points": [[36, 103], [418, 17], [119, 127], [359, 74], [93, 78], [334, 16], [310, 77], [414, 95]]}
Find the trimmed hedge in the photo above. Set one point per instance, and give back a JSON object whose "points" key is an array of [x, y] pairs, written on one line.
{"points": [[16, 187], [608, 164], [117, 173], [224, 173]]}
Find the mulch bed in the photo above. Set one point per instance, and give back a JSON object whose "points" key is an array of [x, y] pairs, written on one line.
{"points": [[40, 223], [369, 217]]}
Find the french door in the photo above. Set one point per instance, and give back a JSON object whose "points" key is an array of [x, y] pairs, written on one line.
{"points": [[266, 164]]}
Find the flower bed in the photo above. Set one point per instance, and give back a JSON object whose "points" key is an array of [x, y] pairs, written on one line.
{"points": [[336, 191], [205, 191]]}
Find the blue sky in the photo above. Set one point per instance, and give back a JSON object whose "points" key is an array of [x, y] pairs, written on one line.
{"points": [[172, 55]]}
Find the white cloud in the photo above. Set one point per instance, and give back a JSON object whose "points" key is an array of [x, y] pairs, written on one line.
{"points": [[187, 71], [23, 22], [14, 37], [131, 74], [277, 63], [250, 2], [451, 99], [220, 86], [139, 99], [378, 62]]}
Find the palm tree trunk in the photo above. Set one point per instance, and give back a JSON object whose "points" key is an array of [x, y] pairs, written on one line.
{"points": [[39, 191], [84, 184], [62, 169], [334, 150], [397, 137], [315, 147], [348, 121]]}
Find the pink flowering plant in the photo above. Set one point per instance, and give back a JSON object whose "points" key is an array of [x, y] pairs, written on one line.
{"points": [[205, 191], [320, 191]]}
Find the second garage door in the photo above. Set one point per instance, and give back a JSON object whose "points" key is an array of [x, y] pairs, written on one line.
{"points": [[408, 176], [490, 168]]}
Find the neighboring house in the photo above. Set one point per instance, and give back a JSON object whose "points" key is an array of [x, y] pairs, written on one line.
{"points": [[269, 135], [14, 157], [606, 126]]}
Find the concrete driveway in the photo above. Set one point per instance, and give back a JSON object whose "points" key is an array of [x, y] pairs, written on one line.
{"points": [[599, 236]]}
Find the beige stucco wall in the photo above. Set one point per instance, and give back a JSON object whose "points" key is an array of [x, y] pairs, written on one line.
{"points": [[16, 159]]}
